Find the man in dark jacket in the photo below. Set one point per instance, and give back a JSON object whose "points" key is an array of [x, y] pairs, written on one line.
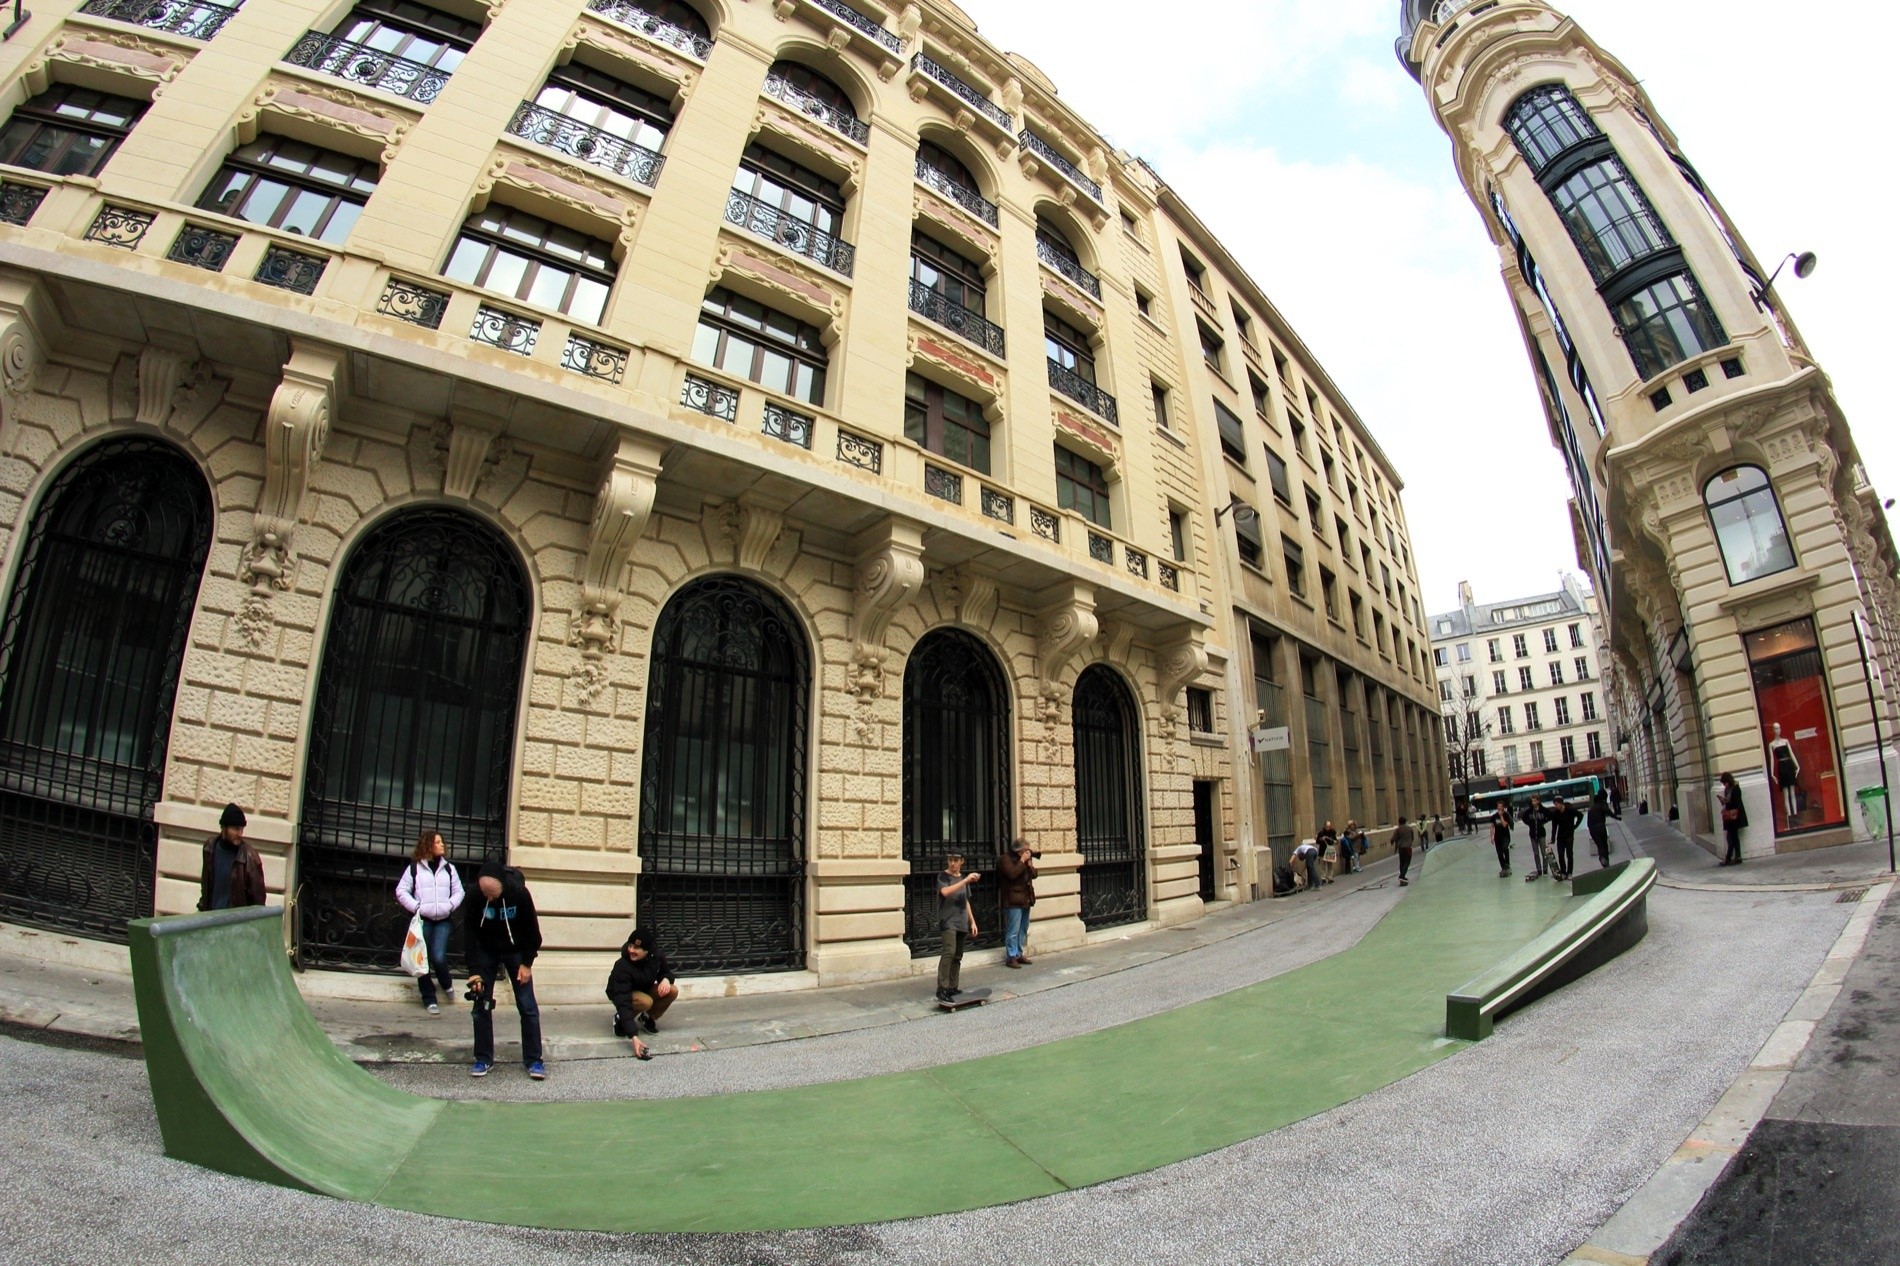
{"points": [[1018, 869], [641, 989], [1598, 820], [503, 936], [233, 872], [1563, 830]]}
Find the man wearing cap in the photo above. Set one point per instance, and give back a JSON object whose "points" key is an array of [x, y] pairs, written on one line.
{"points": [[233, 872]]}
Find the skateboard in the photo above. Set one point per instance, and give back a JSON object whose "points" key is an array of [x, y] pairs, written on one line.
{"points": [[967, 998]]}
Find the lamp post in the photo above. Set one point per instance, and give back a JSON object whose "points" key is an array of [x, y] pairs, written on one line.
{"points": [[1804, 262]]}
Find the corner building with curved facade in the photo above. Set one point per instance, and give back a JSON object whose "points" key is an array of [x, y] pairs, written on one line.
{"points": [[1739, 553], [719, 456]]}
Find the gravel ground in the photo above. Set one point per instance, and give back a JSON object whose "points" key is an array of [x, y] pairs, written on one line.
{"points": [[1510, 1152]]}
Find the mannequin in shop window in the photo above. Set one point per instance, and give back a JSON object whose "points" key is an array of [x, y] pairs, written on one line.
{"points": [[1786, 771]]}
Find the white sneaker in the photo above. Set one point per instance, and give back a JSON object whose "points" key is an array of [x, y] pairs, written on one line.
{"points": [[434, 1009]]}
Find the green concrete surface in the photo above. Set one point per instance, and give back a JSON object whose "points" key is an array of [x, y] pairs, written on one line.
{"points": [[245, 1082]]}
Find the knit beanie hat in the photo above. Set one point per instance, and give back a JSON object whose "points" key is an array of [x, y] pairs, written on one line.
{"points": [[233, 816]]}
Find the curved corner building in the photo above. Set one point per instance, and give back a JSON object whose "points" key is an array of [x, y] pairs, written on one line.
{"points": [[719, 454], [1739, 552]]}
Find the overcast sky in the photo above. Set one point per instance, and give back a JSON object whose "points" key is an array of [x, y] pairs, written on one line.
{"points": [[1290, 126]]}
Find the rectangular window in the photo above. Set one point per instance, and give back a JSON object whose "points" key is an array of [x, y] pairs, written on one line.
{"points": [[1576, 637], [1556, 672], [1497, 683], [1161, 404], [1444, 692], [749, 340], [1233, 434], [1329, 593], [1081, 487], [1358, 605], [948, 424], [1144, 303], [1477, 762], [67, 131], [1295, 559], [1531, 720], [1276, 474], [1378, 631], [1259, 392], [1583, 668], [949, 276], [1196, 274], [1200, 710], [1593, 743], [547, 266], [1567, 749], [1470, 686], [1550, 641], [1505, 725], [1213, 351], [1525, 681], [1537, 753], [1519, 647], [1666, 323], [1246, 521], [1345, 542], [1510, 759], [297, 188], [1562, 708], [1589, 701], [1440, 656], [1492, 649], [1177, 534], [1464, 652]]}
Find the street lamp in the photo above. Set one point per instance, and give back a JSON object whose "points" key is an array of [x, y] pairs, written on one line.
{"points": [[1804, 262], [1242, 512], [20, 17]]}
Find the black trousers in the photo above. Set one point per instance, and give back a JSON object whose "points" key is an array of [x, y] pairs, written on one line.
{"points": [[1566, 854], [1734, 834], [1603, 849], [1503, 845], [1405, 862]]}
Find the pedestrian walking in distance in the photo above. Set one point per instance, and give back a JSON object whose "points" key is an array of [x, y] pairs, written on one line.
{"points": [[1017, 869], [1501, 838], [431, 888], [233, 872], [958, 922], [1597, 822], [503, 936], [1734, 818], [1402, 838]]}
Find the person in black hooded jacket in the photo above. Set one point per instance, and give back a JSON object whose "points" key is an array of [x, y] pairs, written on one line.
{"points": [[503, 936], [641, 988]]}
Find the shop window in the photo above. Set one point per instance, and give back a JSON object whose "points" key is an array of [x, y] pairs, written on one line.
{"points": [[1797, 729], [1748, 524]]}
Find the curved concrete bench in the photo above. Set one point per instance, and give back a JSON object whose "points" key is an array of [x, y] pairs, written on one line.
{"points": [[1615, 917], [244, 1081]]}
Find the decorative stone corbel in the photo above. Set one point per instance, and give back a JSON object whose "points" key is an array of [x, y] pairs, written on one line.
{"points": [[752, 530], [1064, 628], [21, 354], [890, 575], [622, 505], [1118, 637], [296, 427], [971, 596], [1178, 663], [474, 447], [159, 374]]}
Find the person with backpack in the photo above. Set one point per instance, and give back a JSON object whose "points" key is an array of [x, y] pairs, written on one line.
{"points": [[431, 888], [503, 936]]}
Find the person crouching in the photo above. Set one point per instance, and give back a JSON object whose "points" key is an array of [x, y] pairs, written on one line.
{"points": [[641, 988]]}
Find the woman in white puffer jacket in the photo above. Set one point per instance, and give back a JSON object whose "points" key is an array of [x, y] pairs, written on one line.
{"points": [[431, 887]]}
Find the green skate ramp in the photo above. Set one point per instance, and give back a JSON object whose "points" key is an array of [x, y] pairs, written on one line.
{"points": [[246, 1082]]}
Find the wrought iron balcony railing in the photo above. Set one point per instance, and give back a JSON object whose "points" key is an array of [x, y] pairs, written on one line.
{"points": [[19, 202], [840, 121], [635, 18], [958, 192], [361, 64], [966, 91], [1082, 391], [1049, 154], [589, 144], [863, 22], [956, 318], [790, 232], [1088, 281], [195, 19]]}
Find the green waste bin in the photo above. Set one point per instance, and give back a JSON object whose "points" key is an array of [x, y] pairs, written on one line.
{"points": [[1873, 810]]}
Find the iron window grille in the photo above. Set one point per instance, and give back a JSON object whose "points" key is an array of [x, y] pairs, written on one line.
{"points": [[67, 130], [194, 19], [1101, 548], [863, 23], [999, 505], [1072, 366], [90, 652], [18, 202], [293, 187], [414, 303], [202, 247], [723, 780], [1109, 823], [749, 340], [1053, 249], [792, 205], [594, 359], [1049, 154], [394, 46], [592, 145], [817, 97], [785, 424], [965, 91], [946, 423], [713, 399], [1081, 487], [119, 226], [945, 485], [362, 64], [942, 172], [1045, 524], [535, 262], [948, 289], [601, 120], [968, 323], [505, 330], [860, 451], [671, 22], [290, 270]]}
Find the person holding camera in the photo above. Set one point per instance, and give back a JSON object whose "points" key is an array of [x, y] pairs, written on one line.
{"points": [[1017, 867], [958, 922], [503, 936]]}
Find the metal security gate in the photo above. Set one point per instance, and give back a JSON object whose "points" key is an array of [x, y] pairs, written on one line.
{"points": [[89, 658], [413, 730], [956, 780], [1108, 819], [722, 785]]}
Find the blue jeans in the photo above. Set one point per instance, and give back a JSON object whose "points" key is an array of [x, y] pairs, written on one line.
{"points": [[488, 967], [1015, 930], [435, 937]]}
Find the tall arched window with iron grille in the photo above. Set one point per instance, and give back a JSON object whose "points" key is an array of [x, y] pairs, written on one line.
{"points": [[722, 785], [1108, 820], [413, 728], [956, 779], [89, 662]]}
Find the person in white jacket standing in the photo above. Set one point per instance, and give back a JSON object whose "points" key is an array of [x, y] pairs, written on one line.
{"points": [[431, 887]]}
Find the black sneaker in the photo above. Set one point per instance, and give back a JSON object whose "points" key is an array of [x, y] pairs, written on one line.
{"points": [[646, 1022]]}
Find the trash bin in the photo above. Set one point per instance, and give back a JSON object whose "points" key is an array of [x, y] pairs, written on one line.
{"points": [[1873, 810]]}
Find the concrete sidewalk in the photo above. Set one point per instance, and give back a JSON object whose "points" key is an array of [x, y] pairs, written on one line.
{"points": [[41, 989], [1685, 863]]}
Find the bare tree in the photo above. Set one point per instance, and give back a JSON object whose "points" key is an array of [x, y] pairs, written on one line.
{"points": [[1465, 733]]}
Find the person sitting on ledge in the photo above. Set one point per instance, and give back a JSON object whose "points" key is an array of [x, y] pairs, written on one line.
{"points": [[641, 988]]}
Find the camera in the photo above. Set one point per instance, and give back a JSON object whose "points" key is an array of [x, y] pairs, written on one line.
{"points": [[1034, 855], [474, 995]]}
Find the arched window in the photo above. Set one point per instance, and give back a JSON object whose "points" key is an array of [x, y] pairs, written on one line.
{"points": [[1748, 524], [413, 726], [680, 14], [956, 778], [1545, 122], [806, 90], [722, 781], [946, 173], [1108, 817], [89, 659], [946, 164]]}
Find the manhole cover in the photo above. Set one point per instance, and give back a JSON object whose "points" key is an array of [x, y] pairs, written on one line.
{"points": [[1852, 894]]}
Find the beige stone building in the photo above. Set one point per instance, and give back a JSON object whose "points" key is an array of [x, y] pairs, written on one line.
{"points": [[719, 455], [1520, 689], [1738, 548]]}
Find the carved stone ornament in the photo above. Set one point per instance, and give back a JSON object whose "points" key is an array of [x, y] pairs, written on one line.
{"points": [[890, 576], [21, 355], [1177, 664], [471, 449], [969, 595], [1064, 629], [296, 427], [118, 53], [750, 531], [1118, 638], [622, 505]]}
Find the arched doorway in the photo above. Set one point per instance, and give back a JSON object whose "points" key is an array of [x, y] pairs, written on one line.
{"points": [[414, 726], [722, 781], [1108, 819], [956, 779], [89, 658]]}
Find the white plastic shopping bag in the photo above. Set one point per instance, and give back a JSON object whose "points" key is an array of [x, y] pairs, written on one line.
{"points": [[415, 954]]}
